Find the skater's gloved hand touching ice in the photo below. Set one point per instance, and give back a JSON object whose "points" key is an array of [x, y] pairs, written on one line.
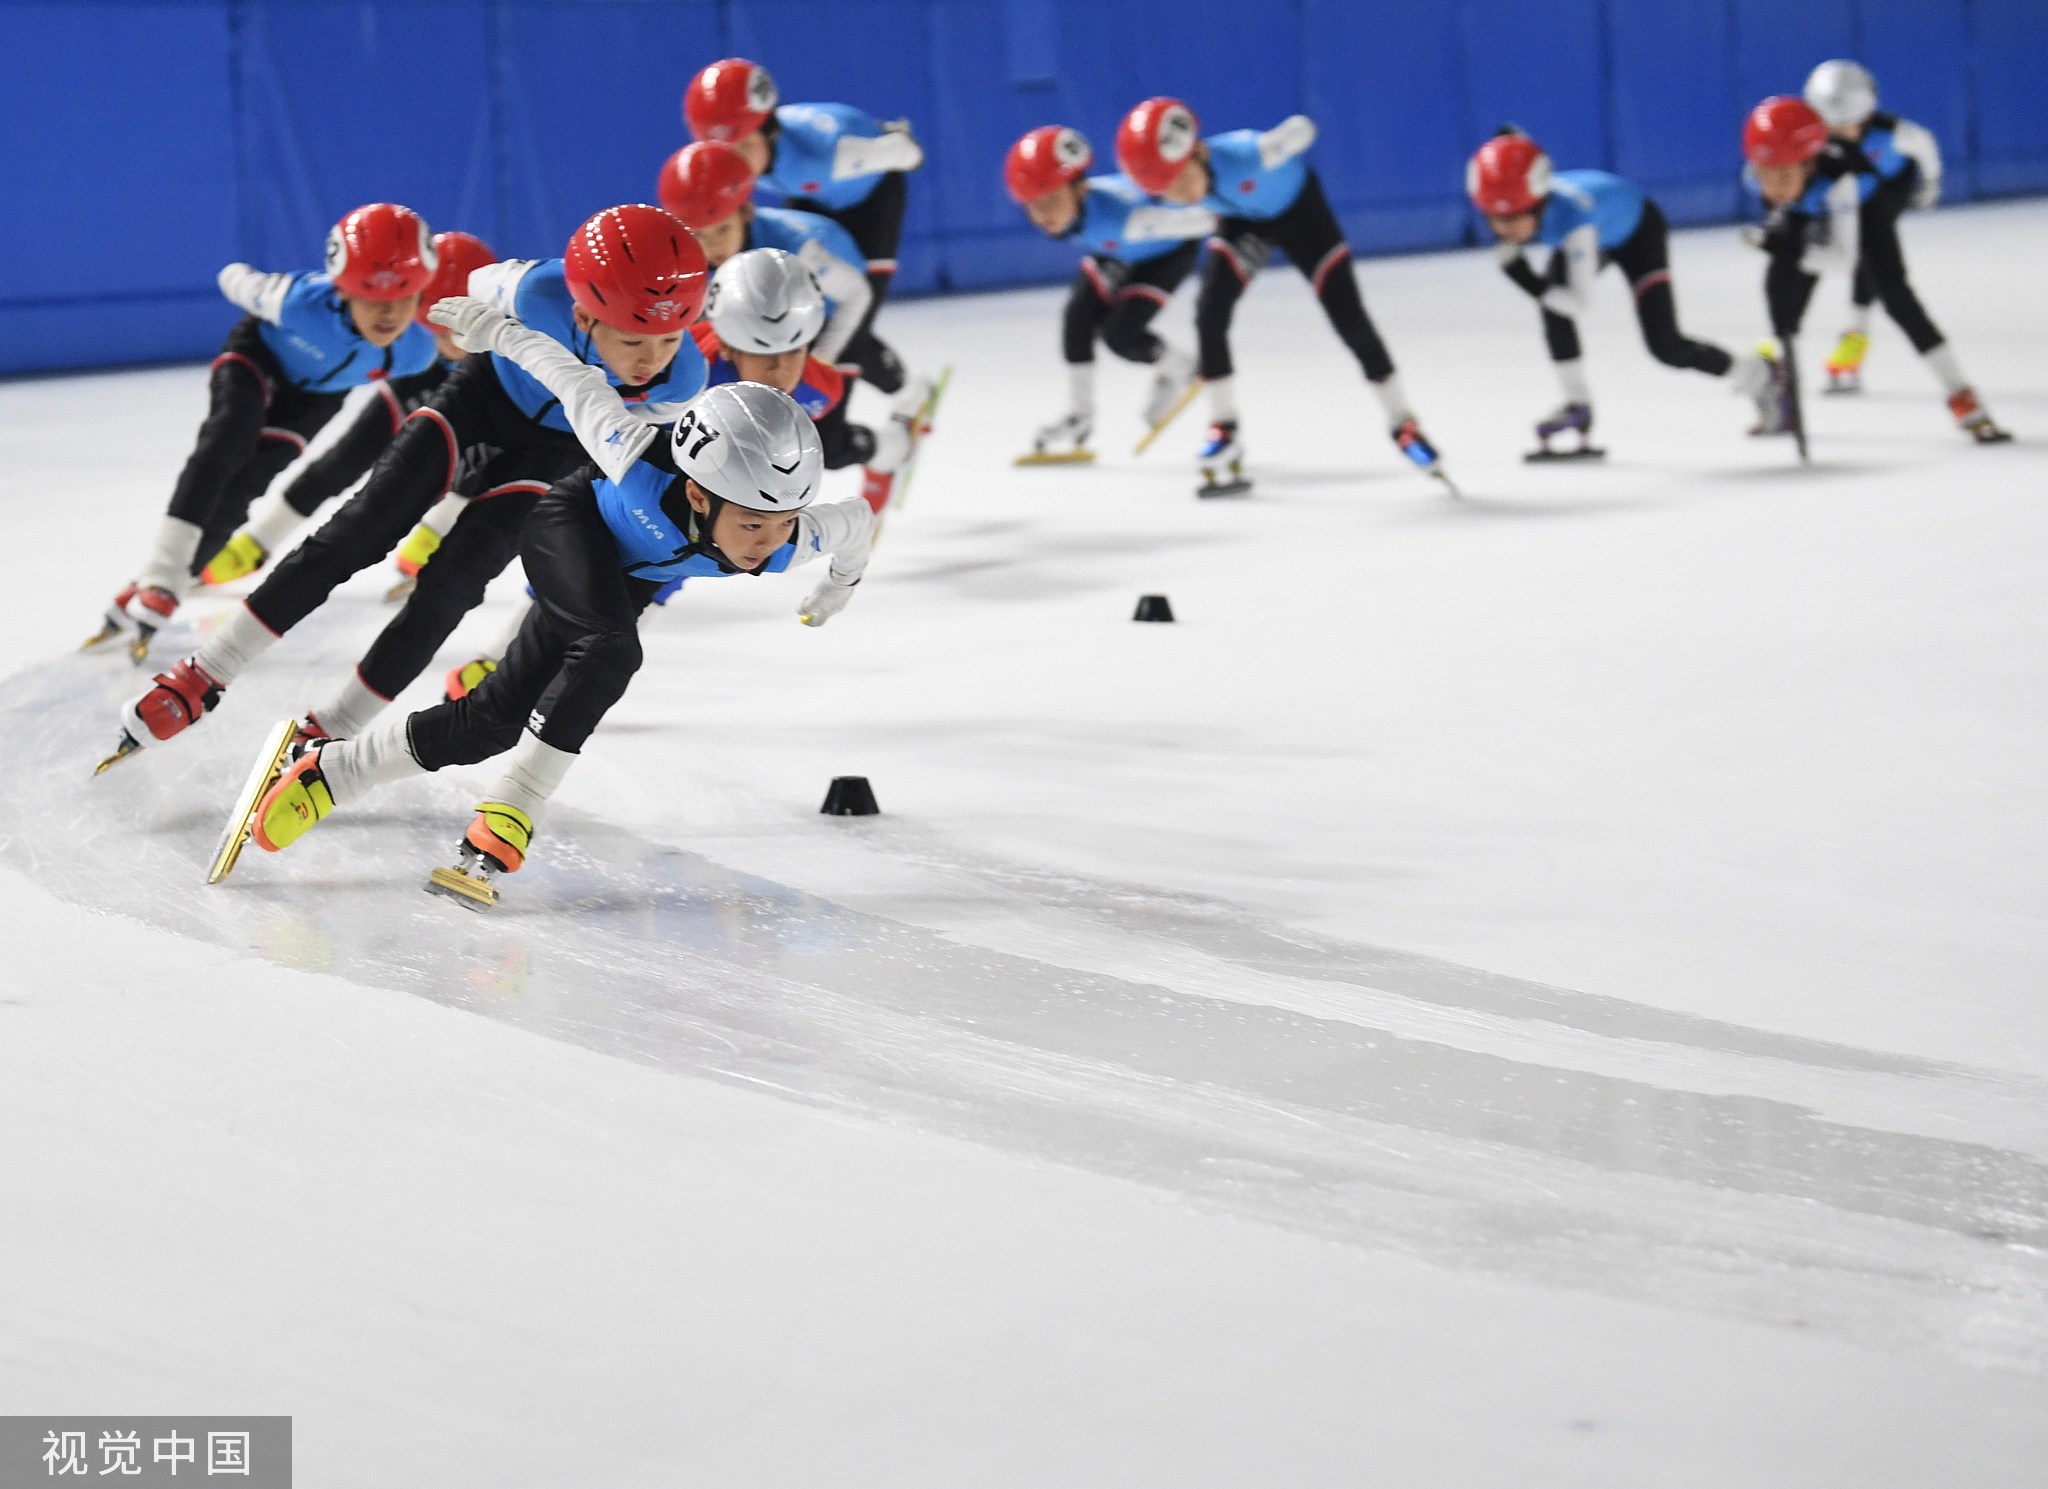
{"points": [[826, 601], [475, 324]]}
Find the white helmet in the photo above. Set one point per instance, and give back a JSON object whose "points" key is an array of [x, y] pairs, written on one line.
{"points": [[751, 445], [1843, 93], [766, 302]]}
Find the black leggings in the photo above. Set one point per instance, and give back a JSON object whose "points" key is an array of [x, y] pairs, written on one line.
{"points": [[1645, 257], [875, 224], [1117, 301], [471, 409], [1881, 264], [256, 424], [1307, 232], [349, 458], [573, 658]]}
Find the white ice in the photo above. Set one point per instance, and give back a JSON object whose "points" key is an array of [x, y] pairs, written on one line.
{"points": [[1543, 988]]}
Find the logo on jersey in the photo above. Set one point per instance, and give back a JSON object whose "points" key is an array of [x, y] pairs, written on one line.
{"points": [[1175, 134]]}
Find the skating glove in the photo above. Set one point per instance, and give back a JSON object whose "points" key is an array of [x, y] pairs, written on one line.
{"points": [[824, 602], [473, 323]]}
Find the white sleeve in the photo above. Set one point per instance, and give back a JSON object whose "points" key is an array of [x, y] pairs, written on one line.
{"points": [[844, 529], [609, 430], [848, 290], [1839, 239], [252, 290], [896, 150], [498, 284], [1581, 254], [1158, 224], [1286, 140], [1919, 145]]}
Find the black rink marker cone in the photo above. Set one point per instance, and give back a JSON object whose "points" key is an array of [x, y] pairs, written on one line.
{"points": [[850, 796], [1153, 607]]}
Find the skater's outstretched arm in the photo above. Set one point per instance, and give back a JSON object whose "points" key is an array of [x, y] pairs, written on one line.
{"points": [[1285, 140], [846, 530], [1573, 267], [260, 294], [612, 433], [846, 286], [892, 150]]}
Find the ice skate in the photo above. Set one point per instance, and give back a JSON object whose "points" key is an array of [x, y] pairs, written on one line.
{"points": [[918, 406], [1174, 386], [1775, 410], [176, 700], [496, 843], [411, 557], [463, 679], [1062, 442], [1845, 363], [1221, 461], [1408, 436], [271, 762], [1572, 418], [240, 557], [1975, 421], [297, 798], [115, 622], [150, 608]]}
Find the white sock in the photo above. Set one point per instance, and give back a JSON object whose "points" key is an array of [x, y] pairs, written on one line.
{"points": [[169, 565], [533, 770], [1749, 375], [1941, 361], [354, 767], [240, 640], [1081, 388], [351, 710], [1859, 319], [1174, 365], [1223, 399], [1572, 375], [272, 521], [1393, 398]]}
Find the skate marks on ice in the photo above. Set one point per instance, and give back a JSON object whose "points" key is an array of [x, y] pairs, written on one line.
{"points": [[1492, 1159]]}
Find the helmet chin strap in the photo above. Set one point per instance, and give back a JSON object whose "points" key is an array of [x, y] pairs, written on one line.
{"points": [[701, 524]]}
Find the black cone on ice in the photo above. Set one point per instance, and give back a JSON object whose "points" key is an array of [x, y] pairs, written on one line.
{"points": [[850, 796], [1153, 607]]}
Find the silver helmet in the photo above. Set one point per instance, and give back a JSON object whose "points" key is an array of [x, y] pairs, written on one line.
{"points": [[766, 302], [750, 444], [1843, 93]]}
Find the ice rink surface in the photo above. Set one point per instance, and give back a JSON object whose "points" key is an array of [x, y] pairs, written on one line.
{"points": [[1539, 988]]}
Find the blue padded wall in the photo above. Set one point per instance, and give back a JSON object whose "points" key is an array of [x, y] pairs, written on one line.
{"points": [[172, 136]]}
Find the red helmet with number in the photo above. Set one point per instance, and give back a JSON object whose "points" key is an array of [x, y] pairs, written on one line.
{"points": [[728, 99], [705, 183], [380, 252], [636, 269], [1783, 131], [458, 253], [1155, 141], [1508, 175], [1045, 160]]}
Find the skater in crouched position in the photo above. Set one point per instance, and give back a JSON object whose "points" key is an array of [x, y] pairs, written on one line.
{"points": [[618, 301], [730, 491], [1266, 196], [304, 341], [349, 458], [1816, 188], [1137, 251], [1588, 219], [827, 158]]}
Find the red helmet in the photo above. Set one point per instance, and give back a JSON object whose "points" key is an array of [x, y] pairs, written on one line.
{"points": [[705, 183], [380, 252], [1155, 141], [1783, 131], [1045, 160], [728, 99], [1509, 174], [636, 269], [458, 254]]}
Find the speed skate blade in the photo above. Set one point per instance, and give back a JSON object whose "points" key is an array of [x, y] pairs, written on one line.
{"points": [[1449, 485], [401, 589], [107, 632], [920, 428], [262, 775], [471, 894], [128, 746], [1235, 486], [1546, 457], [1058, 457], [1179, 404]]}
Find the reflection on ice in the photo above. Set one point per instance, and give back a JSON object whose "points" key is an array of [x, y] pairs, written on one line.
{"points": [[1472, 1159]]}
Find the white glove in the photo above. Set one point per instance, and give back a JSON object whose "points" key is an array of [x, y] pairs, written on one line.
{"points": [[824, 602], [1753, 235], [1505, 253], [473, 323]]}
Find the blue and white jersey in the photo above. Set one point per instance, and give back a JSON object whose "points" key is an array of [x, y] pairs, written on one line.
{"points": [[654, 543], [1119, 221], [1247, 181], [1611, 206], [1900, 149], [834, 154], [305, 323], [828, 251], [536, 294]]}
